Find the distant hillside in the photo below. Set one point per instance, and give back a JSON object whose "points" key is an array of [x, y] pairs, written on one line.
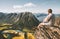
{"points": [[41, 16], [20, 20]]}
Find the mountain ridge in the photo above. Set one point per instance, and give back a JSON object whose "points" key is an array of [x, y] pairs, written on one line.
{"points": [[24, 19]]}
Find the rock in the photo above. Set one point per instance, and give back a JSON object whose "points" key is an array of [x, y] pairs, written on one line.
{"points": [[48, 33]]}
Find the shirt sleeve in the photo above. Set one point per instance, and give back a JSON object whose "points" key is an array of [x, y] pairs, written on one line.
{"points": [[47, 18], [46, 23]]}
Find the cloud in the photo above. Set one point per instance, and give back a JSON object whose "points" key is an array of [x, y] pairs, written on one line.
{"points": [[24, 6], [29, 5], [17, 6]]}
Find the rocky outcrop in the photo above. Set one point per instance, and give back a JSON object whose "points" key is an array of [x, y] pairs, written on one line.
{"points": [[49, 32]]}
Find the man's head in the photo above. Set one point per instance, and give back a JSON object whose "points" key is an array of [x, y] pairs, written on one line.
{"points": [[49, 10]]}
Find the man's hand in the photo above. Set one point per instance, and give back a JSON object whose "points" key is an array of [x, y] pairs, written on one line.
{"points": [[40, 25]]}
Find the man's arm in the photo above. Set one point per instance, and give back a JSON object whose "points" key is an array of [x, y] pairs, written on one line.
{"points": [[47, 18]]}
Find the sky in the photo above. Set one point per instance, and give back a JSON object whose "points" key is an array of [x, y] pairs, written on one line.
{"points": [[34, 6]]}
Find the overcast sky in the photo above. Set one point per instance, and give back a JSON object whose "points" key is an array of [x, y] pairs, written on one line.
{"points": [[35, 6]]}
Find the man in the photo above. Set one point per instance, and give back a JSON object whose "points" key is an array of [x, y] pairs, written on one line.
{"points": [[49, 20]]}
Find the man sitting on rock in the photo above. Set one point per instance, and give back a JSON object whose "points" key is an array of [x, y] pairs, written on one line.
{"points": [[49, 20]]}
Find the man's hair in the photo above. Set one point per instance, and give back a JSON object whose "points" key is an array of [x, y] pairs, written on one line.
{"points": [[49, 10]]}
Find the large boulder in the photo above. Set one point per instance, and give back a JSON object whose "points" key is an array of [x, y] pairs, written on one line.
{"points": [[49, 32]]}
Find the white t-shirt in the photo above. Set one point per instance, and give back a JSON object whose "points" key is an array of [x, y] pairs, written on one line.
{"points": [[49, 20]]}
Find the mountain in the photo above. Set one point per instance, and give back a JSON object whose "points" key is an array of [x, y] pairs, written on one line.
{"points": [[28, 20], [20, 20]]}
